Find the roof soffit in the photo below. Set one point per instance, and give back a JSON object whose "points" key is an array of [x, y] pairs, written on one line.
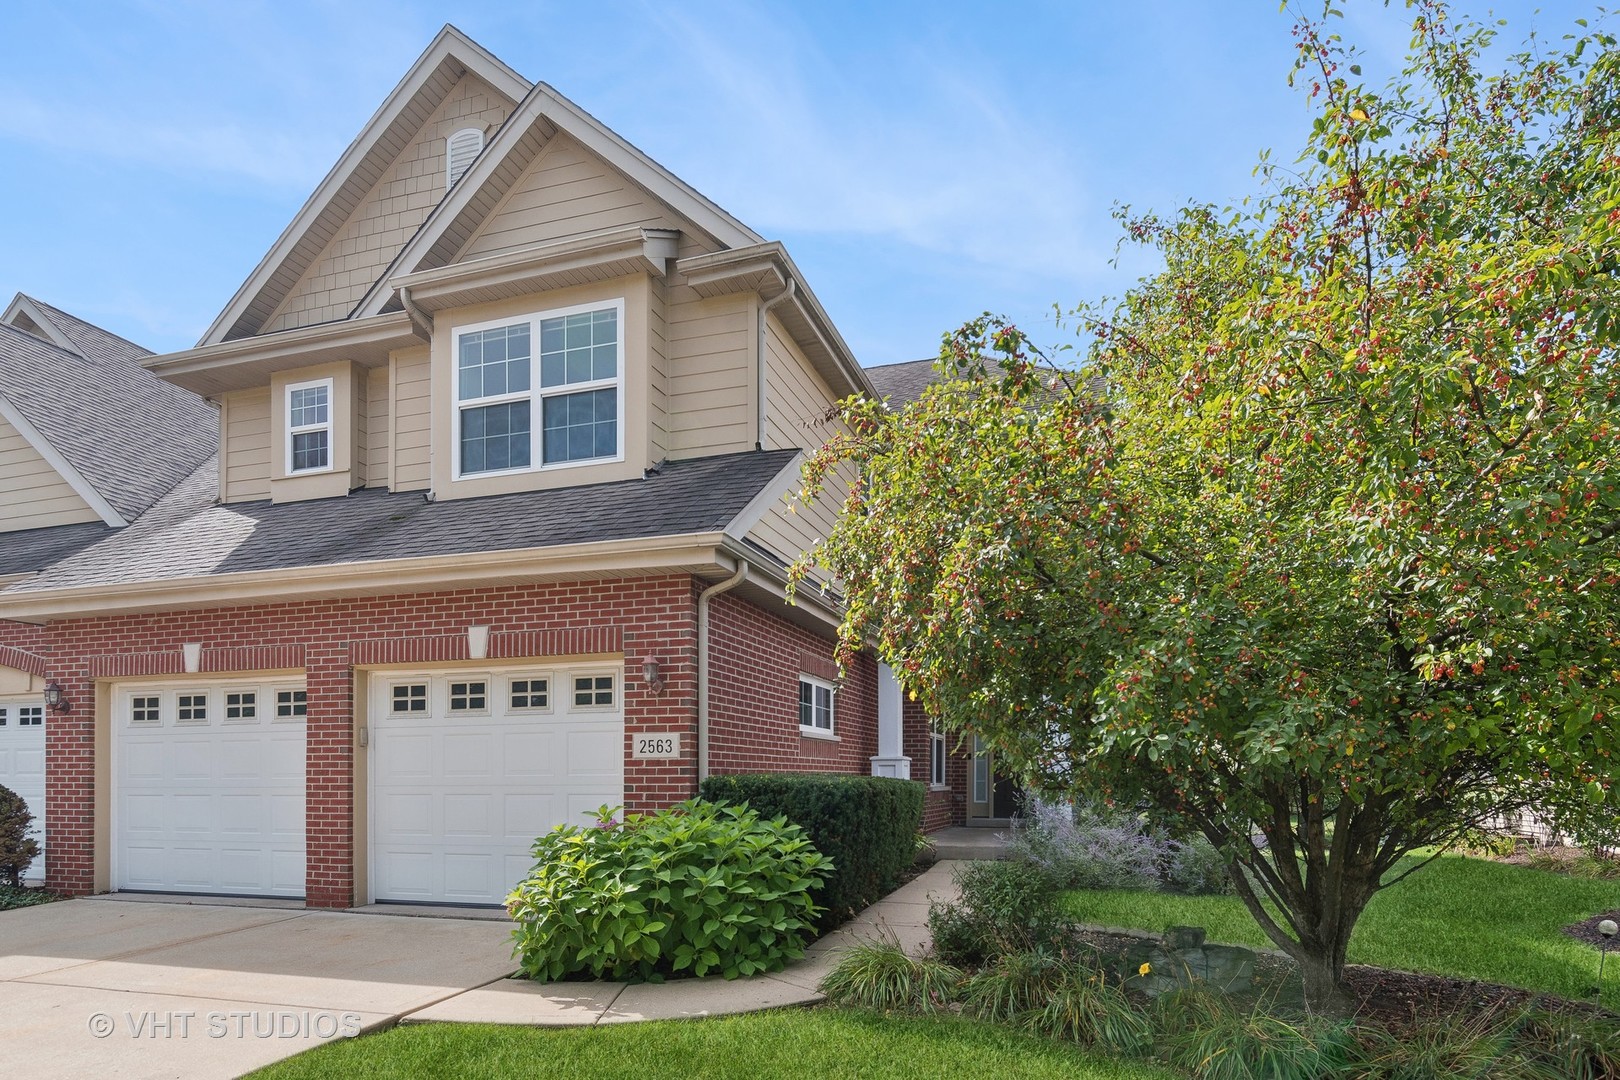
{"points": [[451, 55]]}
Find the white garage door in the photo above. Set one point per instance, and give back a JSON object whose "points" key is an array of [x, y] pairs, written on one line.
{"points": [[209, 788], [22, 765], [467, 768]]}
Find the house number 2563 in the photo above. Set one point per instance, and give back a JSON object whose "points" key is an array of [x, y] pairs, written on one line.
{"points": [[660, 744]]}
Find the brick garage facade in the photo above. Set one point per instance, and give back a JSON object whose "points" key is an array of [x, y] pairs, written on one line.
{"points": [[943, 806]]}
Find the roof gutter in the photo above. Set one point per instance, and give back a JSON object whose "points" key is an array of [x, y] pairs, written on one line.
{"points": [[703, 661]]}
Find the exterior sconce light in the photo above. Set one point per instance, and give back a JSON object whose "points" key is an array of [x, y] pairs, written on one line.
{"points": [[652, 676], [56, 698]]}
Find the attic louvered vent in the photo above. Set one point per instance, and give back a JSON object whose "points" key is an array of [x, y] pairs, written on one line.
{"points": [[460, 151]]}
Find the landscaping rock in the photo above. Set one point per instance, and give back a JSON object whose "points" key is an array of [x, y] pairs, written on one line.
{"points": [[1182, 959]]}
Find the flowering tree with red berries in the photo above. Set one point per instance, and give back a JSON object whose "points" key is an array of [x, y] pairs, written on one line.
{"points": [[1316, 550]]}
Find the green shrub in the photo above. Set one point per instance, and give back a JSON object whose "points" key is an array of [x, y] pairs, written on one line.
{"points": [[17, 848], [1481, 1045], [1005, 906], [697, 889], [880, 975], [1085, 1008], [1012, 985], [1198, 869], [867, 825], [1213, 1038]]}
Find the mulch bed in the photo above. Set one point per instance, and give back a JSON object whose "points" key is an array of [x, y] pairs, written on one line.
{"points": [[1396, 999], [1588, 931]]}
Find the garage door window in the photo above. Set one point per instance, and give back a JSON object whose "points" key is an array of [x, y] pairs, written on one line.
{"points": [[242, 705], [146, 710], [593, 691], [469, 697], [410, 698], [529, 695], [290, 703], [192, 709]]}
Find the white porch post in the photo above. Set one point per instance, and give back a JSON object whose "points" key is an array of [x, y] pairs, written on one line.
{"points": [[891, 757]]}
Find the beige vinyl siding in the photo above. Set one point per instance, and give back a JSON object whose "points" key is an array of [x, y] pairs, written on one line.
{"points": [[389, 215], [33, 495], [377, 427], [244, 460], [711, 373], [797, 401], [567, 191], [412, 420]]}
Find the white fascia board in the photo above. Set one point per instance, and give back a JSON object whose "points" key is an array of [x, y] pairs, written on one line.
{"points": [[450, 43], [26, 305], [542, 104], [64, 468], [769, 496]]}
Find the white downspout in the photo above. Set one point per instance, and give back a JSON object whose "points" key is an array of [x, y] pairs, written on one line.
{"points": [[703, 662], [759, 357]]}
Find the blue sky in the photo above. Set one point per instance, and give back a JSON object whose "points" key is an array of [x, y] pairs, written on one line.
{"points": [[923, 162]]}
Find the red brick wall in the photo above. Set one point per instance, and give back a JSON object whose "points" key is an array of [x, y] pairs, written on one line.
{"points": [[754, 663], [948, 806], [657, 617], [22, 635]]}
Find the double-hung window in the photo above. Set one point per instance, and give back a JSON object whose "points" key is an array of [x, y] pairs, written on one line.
{"points": [[309, 427], [936, 754], [540, 391], [815, 705]]}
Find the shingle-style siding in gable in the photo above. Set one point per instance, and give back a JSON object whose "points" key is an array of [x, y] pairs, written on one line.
{"points": [[245, 463], [389, 215], [567, 191], [413, 421], [711, 378], [33, 495]]}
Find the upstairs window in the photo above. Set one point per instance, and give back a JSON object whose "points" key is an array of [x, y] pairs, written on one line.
{"points": [[309, 427], [541, 391], [461, 149]]}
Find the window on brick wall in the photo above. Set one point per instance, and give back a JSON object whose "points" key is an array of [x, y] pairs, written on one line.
{"points": [[936, 755], [815, 705]]}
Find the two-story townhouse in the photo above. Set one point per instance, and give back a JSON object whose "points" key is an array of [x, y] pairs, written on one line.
{"points": [[509, 423]]}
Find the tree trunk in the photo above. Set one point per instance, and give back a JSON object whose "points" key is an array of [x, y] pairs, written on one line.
{"points": [[1323, 974]]}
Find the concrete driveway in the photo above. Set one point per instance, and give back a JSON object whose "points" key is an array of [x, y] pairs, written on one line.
{"points": [[119, 988]]}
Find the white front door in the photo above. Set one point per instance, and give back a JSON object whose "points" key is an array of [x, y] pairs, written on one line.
{"points": [[209, 787], [469, 767], [22, 765]]}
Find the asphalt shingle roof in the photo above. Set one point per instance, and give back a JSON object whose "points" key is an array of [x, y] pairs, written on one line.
{"points": [[901, 384], [34, 549], [130, 435], [187, 535]]}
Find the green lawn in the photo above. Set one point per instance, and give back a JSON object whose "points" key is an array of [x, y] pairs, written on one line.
{"points": [[785, 1043], [1459, 916]]}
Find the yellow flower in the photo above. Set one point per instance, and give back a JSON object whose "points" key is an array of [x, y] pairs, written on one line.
{"points": [[1144, 969]]}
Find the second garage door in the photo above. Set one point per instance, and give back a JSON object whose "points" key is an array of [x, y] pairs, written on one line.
{"points": [[467, 768], [22, 765]]}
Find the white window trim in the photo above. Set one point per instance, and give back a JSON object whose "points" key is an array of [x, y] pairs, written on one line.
{"points": [[330, 427], [936, 745], [531, 677], [831, 730], [618, 690], [534, 394], [488, 695]]}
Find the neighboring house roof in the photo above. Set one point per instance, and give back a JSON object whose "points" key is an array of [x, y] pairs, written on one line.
{"points": [[139, 438], [903, 383], [188, 536]]}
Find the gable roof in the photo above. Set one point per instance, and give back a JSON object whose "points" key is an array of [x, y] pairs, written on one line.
{"points": [[189, 536], [142, 436], [450, 55]]}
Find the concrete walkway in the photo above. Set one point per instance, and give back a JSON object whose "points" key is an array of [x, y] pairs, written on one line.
{"points": [[109, 987], [902, 915]]}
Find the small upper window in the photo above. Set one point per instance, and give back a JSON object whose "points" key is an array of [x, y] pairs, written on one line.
{"points": [[461, 149], [309, 426], [815, 705]]}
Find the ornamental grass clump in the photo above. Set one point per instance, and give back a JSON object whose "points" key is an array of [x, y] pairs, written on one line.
{"points": [[882, 975], [698, 889]]}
